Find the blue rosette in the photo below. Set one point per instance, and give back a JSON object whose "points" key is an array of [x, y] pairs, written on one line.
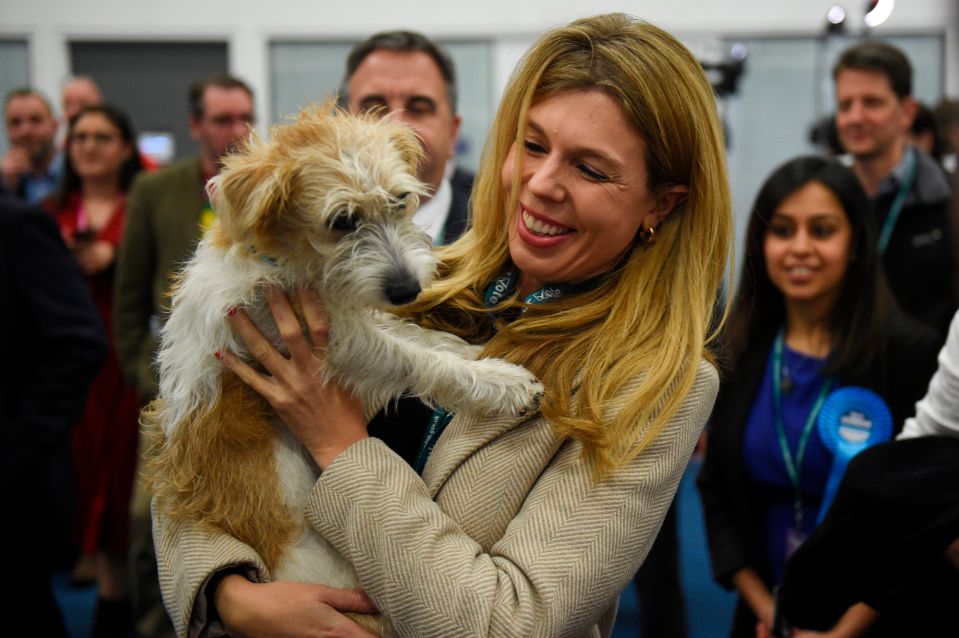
{"points": [[851, 420]]}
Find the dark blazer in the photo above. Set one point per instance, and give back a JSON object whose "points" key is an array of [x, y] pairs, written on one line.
{"points": [[919, 263], [52, 348], [882, 543], [729, 496], [53, 344], [459, 216]]}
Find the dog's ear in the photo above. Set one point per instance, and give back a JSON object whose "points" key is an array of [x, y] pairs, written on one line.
{"points": [[410, 148], [250, 195]]}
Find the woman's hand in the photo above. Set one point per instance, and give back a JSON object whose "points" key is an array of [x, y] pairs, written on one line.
{"points": [[290, 609], [756, 595], [854, 622], [95, 256], [325, 417]]}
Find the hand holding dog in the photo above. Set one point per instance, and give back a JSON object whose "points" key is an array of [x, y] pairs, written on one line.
{"points": [[289, 609], [324, 416]]}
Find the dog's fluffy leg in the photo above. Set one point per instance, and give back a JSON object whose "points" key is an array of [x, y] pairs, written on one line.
{"points": [[218, 469], [426, 338], [431, 366]]}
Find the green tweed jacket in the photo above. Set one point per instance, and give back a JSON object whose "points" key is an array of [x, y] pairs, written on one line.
{"points": [[505, 534], [161, 232]]}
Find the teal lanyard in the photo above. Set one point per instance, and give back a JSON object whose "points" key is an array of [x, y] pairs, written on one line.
{"points": [[793, 464], [893, 216], [501, 288], [438, 422], [504, 285]]}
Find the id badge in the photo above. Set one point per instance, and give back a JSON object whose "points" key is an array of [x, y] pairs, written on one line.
{"points": [[794, 538]]}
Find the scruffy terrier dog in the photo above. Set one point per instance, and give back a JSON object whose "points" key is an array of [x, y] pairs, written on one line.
{"points": [[324, 203]]}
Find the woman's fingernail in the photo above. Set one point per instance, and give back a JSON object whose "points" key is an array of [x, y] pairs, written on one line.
{"points": [[218, 354], [231, 311]]}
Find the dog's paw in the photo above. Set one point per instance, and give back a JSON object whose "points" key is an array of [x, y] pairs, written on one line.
{"points": [[512, 389], [535, 397]]}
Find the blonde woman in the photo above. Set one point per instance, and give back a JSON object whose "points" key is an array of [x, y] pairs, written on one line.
{"points": [[603, 181]]}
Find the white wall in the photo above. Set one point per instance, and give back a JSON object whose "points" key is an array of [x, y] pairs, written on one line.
{"points": [[249, 25]]}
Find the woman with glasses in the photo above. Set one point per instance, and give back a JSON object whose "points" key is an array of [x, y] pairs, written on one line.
{"points": [[101, 162]]}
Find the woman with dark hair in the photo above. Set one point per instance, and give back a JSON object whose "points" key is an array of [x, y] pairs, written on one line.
{"points": [[101, 162], [812, 314]]}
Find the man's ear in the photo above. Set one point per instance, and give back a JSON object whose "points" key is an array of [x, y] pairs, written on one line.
{"points": [[194, 127], [454, 133], [910, 108], [667, 199]]}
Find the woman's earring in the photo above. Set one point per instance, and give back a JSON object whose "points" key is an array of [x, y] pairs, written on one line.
{"points": [[647, 235]]}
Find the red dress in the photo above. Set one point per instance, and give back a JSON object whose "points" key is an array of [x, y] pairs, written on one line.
{"points": [[105, 438]]}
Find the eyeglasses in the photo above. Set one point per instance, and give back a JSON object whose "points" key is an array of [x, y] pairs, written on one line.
{"points": [[99, 139], [230, 120]]}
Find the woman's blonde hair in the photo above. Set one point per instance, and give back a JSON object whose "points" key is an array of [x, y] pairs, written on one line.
{"points": [[650, 315]]}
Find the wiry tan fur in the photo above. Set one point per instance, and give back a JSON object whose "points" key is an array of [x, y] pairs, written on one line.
{"points": [[237, 489], [324, 203]]}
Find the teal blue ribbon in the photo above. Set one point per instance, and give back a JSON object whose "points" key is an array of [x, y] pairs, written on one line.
{"points": [[852, 420]]}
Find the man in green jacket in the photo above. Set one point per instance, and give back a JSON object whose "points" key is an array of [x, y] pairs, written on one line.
{"points": [[166, 214]]}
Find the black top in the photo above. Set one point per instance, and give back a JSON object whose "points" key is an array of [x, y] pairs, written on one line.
{"points": [[53, 340], [52, 347], [402, 426], [458, 219], [882, 543]]}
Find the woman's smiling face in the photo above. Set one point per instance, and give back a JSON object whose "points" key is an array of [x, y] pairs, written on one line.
{"points": [[808, 246], [583, 191]]}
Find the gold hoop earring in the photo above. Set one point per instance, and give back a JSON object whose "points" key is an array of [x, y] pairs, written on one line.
{"points": [[647, 235]]}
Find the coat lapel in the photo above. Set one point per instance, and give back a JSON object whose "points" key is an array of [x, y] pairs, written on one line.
{"points": [[465, 434]]}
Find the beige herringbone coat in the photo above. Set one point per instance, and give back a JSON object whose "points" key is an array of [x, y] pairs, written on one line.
{"points": [[506, 533]]}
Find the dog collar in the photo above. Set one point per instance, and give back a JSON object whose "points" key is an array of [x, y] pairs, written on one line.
{"points": [[266, 259]]}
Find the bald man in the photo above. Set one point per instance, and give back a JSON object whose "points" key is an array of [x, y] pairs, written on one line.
{"points": [[78, 93]]}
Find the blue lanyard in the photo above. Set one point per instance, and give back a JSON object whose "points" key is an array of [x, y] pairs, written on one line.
{"points": [[793, 464], [894, 211], [500, 288], [438, 422], [504, 285]]}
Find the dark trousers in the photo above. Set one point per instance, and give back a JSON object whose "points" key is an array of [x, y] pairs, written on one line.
{"points": [[662, 607]]}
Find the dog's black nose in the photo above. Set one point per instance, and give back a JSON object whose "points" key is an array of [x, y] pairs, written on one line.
{"points": [[403, 291]]}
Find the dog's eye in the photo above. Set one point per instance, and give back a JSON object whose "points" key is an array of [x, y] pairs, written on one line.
{"points": [[344, 221], [401, 200]]}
